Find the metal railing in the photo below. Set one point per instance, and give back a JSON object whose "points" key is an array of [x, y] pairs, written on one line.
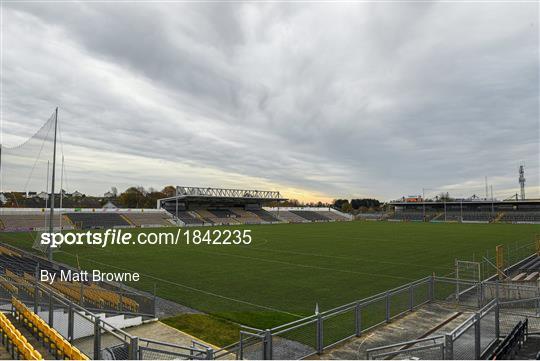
{"points": [[470, 340], [92, 334]]}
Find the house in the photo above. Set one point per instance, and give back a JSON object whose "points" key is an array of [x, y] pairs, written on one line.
{"points": [[30, 194], [3, 198], [110, 205], [43, 195], [77, 194], [108, 195]]}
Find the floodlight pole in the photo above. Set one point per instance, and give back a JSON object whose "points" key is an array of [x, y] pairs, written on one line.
{"points": [[1, 183], [492, 200], [49, 250], [423, 205]]}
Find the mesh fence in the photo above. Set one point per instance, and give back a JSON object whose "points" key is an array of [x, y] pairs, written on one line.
{"points": [[431, 348], [116, 352], [421, 293], [373, 313], [488, 329], [296, 342], [156, 350], [400, 301], [463, 344], [339, 326], [83, 333], [252, 346]]}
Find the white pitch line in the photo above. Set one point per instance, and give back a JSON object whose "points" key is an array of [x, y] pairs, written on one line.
{"points": [[343, 257], [307, 266], [193, 288]]}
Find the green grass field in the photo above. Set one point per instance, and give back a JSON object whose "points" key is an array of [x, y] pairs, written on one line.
{"points": [[290, 267]]}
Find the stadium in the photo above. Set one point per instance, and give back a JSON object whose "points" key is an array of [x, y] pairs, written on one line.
{"points": [[460, 279], [241, 181]]}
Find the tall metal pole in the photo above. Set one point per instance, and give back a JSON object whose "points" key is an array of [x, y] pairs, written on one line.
{"points": [[492, 200], [49, 251], [61, 191], [423, 204], [1, 183], [176, 202]]}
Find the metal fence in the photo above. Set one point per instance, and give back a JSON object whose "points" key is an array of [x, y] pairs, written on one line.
{"points": [[91, 333], [313, 334], [499, 307]]}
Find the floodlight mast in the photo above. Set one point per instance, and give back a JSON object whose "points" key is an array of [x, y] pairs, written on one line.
{"points": [[51, 228], [522, 181]]}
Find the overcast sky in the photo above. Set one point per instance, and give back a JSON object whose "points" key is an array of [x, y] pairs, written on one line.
{"points": [[320, 100]]}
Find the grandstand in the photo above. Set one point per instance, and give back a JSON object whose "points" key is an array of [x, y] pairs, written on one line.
{"points": [[218, 206], [97, 220], [26, 222], [148, 219], [56, 321], [31, 219], [481, 211]]}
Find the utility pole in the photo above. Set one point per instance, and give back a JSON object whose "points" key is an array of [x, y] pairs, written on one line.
{"points": [[51, 228]]}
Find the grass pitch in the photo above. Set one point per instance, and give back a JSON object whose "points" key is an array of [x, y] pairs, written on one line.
{"points": [[290, 267]]}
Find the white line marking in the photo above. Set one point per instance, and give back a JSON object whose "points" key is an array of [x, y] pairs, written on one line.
{"points": [[193, 288]]}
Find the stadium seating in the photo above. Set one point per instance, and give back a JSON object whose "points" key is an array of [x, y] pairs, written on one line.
{"points": [[16, 344], [213, 218], [333, 216], [520, 216], [246, 217], [265, 216], [19, 275], [191, 218], [289, 216], [311, 216], [95, 295], [13, 222], [148, 219], [97, 220], [57, 345]]}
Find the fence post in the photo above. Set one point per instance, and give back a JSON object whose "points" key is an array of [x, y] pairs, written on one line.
{"points": [[477, 346], [358, 319], [387, 306], [448, 347], [320, 345], [36, 296], [134, 348], [155, 303], [267, 345], [210, 353], [97, 339], [51, 310], [411, 297], [81, 300], [497, 320], [431, 288], [71, 322], [240, 353]]}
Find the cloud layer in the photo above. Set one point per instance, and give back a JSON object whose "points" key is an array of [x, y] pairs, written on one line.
{"points": [[318, 100]]}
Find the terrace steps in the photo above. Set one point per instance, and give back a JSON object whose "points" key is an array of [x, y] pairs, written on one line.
{"points": [[429, 320]]}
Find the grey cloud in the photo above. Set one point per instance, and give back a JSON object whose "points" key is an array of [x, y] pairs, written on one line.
{"points": [[336, 98]]}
